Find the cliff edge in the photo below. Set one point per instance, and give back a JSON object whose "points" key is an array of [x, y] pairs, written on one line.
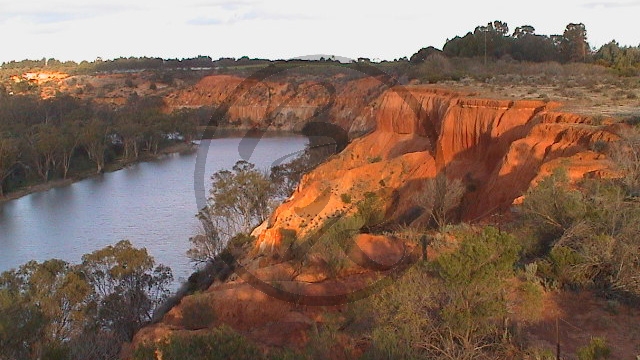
{"points": [[497, 148]]}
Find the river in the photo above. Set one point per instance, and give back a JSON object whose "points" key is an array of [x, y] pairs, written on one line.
{"points": [[152, 204]]}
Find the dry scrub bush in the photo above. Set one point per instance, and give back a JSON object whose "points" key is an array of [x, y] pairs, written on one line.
{"points": [[440, 198], [197, 312], [452, 308], [219, 343], [587, 237]]}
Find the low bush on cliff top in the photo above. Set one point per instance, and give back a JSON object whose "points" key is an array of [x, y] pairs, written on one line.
{"points": [[587, 237], [596, 350], [453, 308]]}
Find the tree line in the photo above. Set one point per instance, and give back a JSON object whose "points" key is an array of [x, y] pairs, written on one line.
{"points": [[125, 64], [496, 41], [55, 138]]}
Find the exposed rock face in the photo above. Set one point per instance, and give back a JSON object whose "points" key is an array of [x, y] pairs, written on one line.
{"points": [[287, 105], [498, 148]]}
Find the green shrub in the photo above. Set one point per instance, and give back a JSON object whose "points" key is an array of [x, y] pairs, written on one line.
{"points": [[540, 354], [632, 120], [531, 272], [600, 146], [335, 258], [289, 247], [56, 352], [551, 207], [336, 234], [145, 352], [346, 198], [239, 240], [397, 317], [221, 343], [389, 343], [564, 261], [336, 242], [612, 307], [342, 230], [285, 354], [581, 236], [370, 210], [531, 296], [597, 349], [449, 308]]}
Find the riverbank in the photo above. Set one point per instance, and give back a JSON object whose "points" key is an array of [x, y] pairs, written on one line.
{"points": [[221, 132], [172, 149]]}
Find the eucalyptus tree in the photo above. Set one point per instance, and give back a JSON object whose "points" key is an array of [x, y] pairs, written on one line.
{"points": [[94, 140], [43, 142], [127, 285], [9, 155], [239, 200]]}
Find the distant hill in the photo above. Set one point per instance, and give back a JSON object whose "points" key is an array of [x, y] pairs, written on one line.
{"points": [[317, 57]]}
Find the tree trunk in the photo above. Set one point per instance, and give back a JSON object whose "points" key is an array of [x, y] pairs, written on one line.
{"points": [[66, 162]]}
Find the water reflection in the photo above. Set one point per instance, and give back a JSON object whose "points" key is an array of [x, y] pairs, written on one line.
{"points": [[152, 204]]}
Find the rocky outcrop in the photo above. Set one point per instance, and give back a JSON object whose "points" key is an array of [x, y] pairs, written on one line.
{"points": [[287, 104], [498, 148]]}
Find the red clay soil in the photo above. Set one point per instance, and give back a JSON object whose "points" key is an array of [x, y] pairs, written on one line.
{"points": [[583, 316]]}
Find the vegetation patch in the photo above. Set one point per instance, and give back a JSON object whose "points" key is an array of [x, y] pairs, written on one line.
{"points": [[220, 343], [197, 312]]}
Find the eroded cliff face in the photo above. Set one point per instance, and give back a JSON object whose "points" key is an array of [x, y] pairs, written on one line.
{"points": [[288, 104], [497, 148]]}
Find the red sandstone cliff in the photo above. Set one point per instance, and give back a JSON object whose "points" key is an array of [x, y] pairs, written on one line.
{"points": [[498, 148], [289, 104]]}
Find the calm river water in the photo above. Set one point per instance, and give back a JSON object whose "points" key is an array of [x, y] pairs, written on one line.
{"points": [[153, 204]]}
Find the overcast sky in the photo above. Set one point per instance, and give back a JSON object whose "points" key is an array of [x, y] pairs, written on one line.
{"points": [[279, 29]]}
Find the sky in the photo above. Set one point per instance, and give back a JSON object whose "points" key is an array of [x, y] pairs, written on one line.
{"points": [[281, 29]]}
